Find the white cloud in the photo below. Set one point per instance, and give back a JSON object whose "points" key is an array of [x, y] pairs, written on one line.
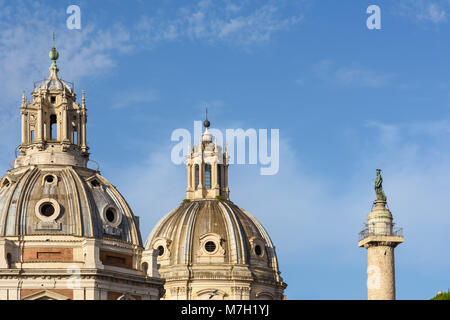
{"points": [[435, 11], [353, 75], [224, 21], [26, 39], [133, 98]]}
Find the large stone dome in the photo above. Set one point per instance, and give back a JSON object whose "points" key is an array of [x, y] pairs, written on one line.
{"points": [[64, 200]]}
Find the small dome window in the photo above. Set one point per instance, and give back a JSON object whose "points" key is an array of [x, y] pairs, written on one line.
{"points": [[50, 179], [53, 99], [210, 246], [6, 183], [258, 250], [95, 183], [160, 251], [110, 215]]}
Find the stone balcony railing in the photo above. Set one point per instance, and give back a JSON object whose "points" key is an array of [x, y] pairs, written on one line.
{"points": [[384, 232]]}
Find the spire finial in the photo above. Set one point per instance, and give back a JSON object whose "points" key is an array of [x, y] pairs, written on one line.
{"points": [[54, 55], [206, 123], [83, 99]]}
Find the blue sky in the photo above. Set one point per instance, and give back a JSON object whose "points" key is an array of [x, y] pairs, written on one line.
{"points": [[347, 100]]}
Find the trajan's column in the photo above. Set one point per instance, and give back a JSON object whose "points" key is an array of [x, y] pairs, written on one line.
{"points": [[380, 240]]}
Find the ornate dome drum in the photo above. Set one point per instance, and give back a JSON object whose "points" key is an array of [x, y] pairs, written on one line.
{"points": [[209, 248]]}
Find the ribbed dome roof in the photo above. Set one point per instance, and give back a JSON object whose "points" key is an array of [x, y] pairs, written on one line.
{"points": [[235, 232], [64, 200], [54, 84]]}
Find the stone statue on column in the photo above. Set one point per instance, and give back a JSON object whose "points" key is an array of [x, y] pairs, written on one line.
{"points": [[379, 186]]}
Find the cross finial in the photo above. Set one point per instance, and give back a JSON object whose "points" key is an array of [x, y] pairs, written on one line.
{"points": [[53, 39]]}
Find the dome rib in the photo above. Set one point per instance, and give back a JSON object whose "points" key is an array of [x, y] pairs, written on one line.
{"points": [[239, 251], [14, 221], [72, 225], [81, 227], [184, 256], [25, 190]]}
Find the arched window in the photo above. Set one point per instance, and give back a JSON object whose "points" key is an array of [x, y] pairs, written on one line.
{"points": [[75, 136], [219, 176], [53, 132], [196, 176], [32, 135], [207, 176]]}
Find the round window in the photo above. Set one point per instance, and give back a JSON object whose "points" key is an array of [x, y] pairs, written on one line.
{"points": [[49, 179], [210, 246], [47, 209], [258, 250], [160, 251], [110, 215]]}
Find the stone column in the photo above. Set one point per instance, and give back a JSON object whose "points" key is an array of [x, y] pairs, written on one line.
{"points": [[24, 127], [380, 242], [82, 133], [380, 271], [64, 124], [201, 171], [212, 175], [189, 176], [39, 125], [80, 130], [193, 176]]}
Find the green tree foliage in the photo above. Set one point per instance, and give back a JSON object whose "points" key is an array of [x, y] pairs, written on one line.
{"points": [[442, 296]]}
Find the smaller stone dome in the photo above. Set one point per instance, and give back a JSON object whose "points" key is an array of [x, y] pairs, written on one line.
{"points": [[218, 240], [235, 228]]}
